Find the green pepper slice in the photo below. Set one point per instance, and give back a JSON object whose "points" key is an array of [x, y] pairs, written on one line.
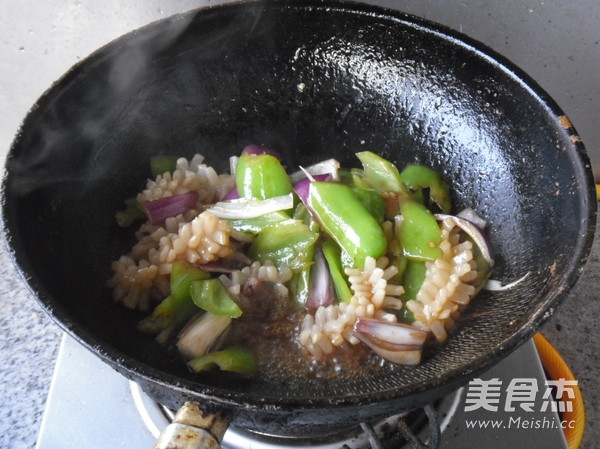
{"points": [[347, 221], [399, 260], [299, 285], [261, 176], [372, 200], [358, 178], [419, 233], [418, 177], [234, 359], [130, 214], [380, 173], [178, 307], [212, 296], [412, 280], [159, 165], [333, 256], [257, 224], [287, 243], [301, 213]]}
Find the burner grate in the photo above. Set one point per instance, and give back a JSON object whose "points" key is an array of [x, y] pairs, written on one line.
{"points": [[418, 429]]}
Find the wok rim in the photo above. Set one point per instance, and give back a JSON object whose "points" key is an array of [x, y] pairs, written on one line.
{"points": [[136, 370]]}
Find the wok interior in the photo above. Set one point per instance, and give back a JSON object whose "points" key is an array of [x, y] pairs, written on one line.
{"points": [[312, 83]]}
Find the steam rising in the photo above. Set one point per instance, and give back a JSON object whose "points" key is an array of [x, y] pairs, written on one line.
{"points": [[73, 124], [131, 64]]}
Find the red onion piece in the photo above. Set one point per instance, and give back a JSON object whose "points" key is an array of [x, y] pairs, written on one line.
{"points": [[470, 215], [326, 167], [301, 187], [256, 149], [475, 233], [399, 357], [493, 285], [200, 334], [398, 343], [170, 206], [321, 291], [251, 208], [386, 345], [232, 195], [392, 334]]}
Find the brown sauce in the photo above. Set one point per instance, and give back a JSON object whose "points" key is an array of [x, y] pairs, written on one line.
{"points": [[275, 345]]}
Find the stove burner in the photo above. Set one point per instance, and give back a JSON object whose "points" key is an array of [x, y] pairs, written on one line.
{"points": [[407, 430]]}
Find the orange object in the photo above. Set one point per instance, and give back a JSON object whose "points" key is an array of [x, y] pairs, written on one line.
{"points": [[556, 368], [598, 191]]}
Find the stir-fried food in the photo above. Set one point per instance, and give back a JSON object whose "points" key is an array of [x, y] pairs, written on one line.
{"points": [[325, 257]]}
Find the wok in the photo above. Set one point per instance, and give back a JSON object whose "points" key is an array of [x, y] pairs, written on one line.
{"points": [[312, 80]]}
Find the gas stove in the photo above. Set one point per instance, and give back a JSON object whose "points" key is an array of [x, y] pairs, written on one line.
{"points": [[90, 405]]}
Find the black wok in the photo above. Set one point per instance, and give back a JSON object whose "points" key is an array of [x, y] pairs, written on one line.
{"points": [[312, 80]]}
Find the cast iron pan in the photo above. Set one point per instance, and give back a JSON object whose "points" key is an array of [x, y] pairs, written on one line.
{"points": [[312, 80]]}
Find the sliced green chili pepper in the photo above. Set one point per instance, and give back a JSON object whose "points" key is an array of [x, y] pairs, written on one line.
{"points": [[399, 260], [346, 177], [347, 221], [255, 225], [178, 307], [212, 296], [301, 213], [288, 243], [234, 359], [261, 176], [419, 233], [159, 165], [372, 200], [299, 285], [418, 177], [380, 173], [359, 179], [130, 214], [333, 256], [346, 259], [412, 280]]}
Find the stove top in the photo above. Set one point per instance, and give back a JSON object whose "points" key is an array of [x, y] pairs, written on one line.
{"points": [[90, 405]]}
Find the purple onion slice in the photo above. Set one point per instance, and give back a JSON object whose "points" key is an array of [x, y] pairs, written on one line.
{"points": [[170, 206], [302, 187], [398, 343], [473, 217], [399, 356], [256, 149], [321, 292], [392, 333], [473, 231], [251, 208], [233, 194], [326, 167]]}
